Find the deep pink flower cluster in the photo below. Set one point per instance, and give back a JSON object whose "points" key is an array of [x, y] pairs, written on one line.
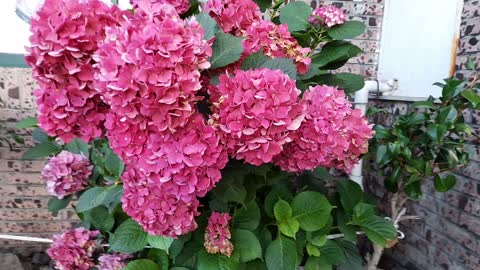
{"points": [[114, 261], [255, 112], [276, 42], [181, 6], [234, 16], [66, 174], [333, 134], [73, 249], [64, 37], [149, 74], [175, 169], [217, 235], [327, 16]]}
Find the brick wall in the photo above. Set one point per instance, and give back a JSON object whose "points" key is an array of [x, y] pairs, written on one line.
{"points": [[23, 197]]}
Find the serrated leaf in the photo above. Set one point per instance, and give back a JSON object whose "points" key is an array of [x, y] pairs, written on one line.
{"points": [[27, 123], [348, 82], [100, 218], [263, 4], [289, 227], [379, 230], [362, 213], [273, 196], [89, 199], [282, 210], [160, 257], [335, 52], [313, 250], [281, 254], [208, 261], [55, 204], [226, 50], [77, 146], [350, 194], [283, 64], [160, 242], [40, 136], [246, 245], [129, 237], [311, 209], [444, 184], [208, 24], [347, 30], [332, 252], [247, 217], [230, 190], [142, 264], [114, 164], [254, 60], [317, 263], [295, 15], [42, 150], [353, 260]]}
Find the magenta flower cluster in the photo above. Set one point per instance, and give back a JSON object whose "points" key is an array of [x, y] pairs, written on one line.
{"points": [[255, 112], [181, 6], [73, 249], [64, 37], [234, 16], [66, 173], [113, 261], [327, 16], [333, 134], [217, 234]]}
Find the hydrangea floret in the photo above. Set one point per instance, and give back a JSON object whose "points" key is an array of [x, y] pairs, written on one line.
{"points": [[327, 16], [113, 261], [217, 234]]}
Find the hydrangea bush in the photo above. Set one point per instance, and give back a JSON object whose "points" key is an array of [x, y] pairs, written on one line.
{"points": [[198, 135]]}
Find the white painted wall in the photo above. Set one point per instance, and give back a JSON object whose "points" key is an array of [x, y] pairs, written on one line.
{"points": [[416, 44]]}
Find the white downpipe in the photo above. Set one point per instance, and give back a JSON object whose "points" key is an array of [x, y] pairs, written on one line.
{"points": [[361, 102]]}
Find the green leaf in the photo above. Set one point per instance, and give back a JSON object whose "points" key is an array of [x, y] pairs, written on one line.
{"points": [[436, 131], [208, 261], [91, 198], [447, 115], [55, 204], [142, 264], [27, 123], [40, 136], [254, 60], [318, 240], [112, 196], [345, 81], [208, 24], [347, 30], [160, 242], [256, 265], [114, 164], [452, 88], [379, 230], [263, 4], [282, 210], [317, 263], [335, 52], [289, 227], [349, 231], [424, 104], [311, 209], [444, 184], [383, 156], [313, 250], [100, 218], [77, 146], [160, 257], [129, 237], [452, 158], [363, 212], [42, 150], [414, 188], [281, 254], [247, 245], [226, 49], [350, 194], [230, 190], [353, 260], [188, 256], [295, 15], [332, 252], [283, 64], [273, 196], [472, 97], [247, 217]]}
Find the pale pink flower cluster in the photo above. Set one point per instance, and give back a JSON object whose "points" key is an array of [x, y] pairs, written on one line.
{"points": [[333, 134], [276, 42], [149, 72], [66, 173], [327, 16], [73, 249], [181, 6], [114, 261], [234, 16], [175, 169], [64, 37], [217, 235], [255, 112]]}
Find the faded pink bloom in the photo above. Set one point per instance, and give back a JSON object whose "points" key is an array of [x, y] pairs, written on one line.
{"points": [[149, 67], [114, 261], [181, 6], [66, 173], [276, 42], [327, 16], [217, 235], [333, 134], [234, 16], [73, 249], [255, 112], [64, 37]]}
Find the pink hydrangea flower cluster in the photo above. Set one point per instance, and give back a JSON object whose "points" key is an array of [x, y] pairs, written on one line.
{"points": [[255, 112], [149, 73], [66, 174], [234, 16], [333, 134], [276, 42], [114, 261], [64, 37], [175, 169], [181, 6], [327, 16], [217, 235], [73, 249]]}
